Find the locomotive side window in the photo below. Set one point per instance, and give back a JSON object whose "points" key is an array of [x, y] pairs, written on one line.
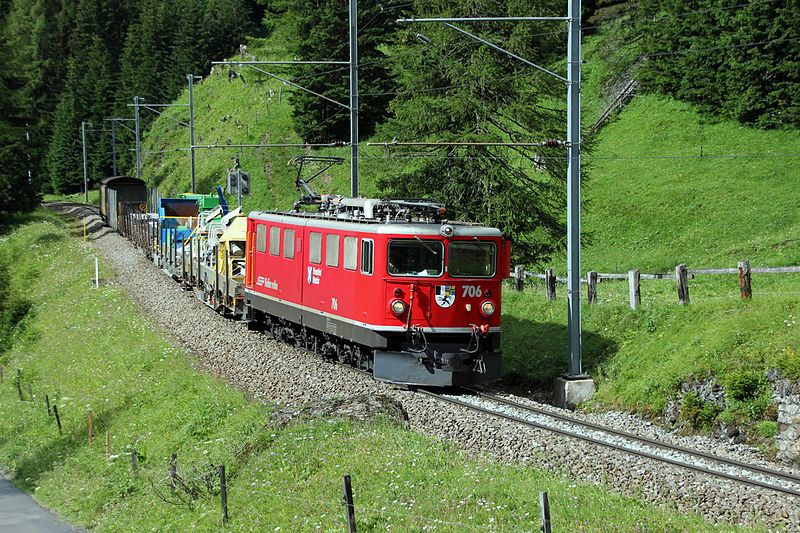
{"points": [[367, 246], [415, 258], [472, 259], [261, 238], [332, 250], [315, 247], [274, 240], [288, 243], [350, 253]]}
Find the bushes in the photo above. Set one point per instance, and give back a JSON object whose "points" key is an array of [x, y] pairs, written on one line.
{"points": [[700, 414], [745, 385]]}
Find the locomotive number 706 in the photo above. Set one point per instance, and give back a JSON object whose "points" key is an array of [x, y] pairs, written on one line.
{"points": [[472, 291]]}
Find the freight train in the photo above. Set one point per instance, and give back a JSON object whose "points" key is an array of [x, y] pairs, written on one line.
{"points": [[388, 286]]}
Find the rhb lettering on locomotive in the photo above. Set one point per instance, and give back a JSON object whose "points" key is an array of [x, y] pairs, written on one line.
{"points": [[314, 275], [261, 281]]}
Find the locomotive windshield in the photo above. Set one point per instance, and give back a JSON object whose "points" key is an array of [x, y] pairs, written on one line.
{"points": [[415, 258], [472, 259]]}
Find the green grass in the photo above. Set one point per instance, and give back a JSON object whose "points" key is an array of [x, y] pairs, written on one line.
{"points": [[253, 111], [652, 208], [655, 202], [91, 348], [94, 197], [640, 357]]}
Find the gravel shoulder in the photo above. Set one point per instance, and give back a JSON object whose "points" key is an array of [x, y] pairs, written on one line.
{"points": [[273, 372]]}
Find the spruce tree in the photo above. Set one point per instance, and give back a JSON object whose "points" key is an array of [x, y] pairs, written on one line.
{"points": [[94, 43], [17, 191], [453, 89], [740, 62], [320, 31]]}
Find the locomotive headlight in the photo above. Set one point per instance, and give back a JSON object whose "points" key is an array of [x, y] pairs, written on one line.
{"points": [[487, 308], [447, 231], [398, 307]]}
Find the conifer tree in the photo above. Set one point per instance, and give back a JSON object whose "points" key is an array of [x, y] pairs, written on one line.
{"points": [[95, 43], [321, 32], [17, 190], [740, 62], [453, 89]]}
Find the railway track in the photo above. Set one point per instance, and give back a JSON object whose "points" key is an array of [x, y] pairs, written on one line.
{"points": [[534, 417], [694, 460]]}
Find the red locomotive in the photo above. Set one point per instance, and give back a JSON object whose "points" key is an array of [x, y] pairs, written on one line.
{"points": [[386, 285]]}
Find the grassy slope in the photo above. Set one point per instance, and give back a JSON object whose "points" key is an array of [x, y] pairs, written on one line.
{"points": [[651, 205], [654, 203], [92, 348], [238, 112]]}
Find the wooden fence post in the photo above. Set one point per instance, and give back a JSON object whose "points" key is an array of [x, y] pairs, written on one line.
{"points": [[47, 403], [634, 288], [591, 287], [58, 418], [519, 277], [134, 463], [19, 385], [682, 278], [223, 494], [348, 501], [745, 290], [544, 507], [550, 284], [30, 391], [173, 470]]}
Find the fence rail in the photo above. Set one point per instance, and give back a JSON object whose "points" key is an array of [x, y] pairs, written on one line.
{"points": [[681, 277]]}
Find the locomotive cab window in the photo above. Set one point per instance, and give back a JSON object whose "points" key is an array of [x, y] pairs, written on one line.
{"points": [[261, 238], [367, 246], [415, 258], [472, 259], [274, 240], [315, 247]]}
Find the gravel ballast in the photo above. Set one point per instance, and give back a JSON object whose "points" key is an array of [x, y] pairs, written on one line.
{"points": [[276, 373]]}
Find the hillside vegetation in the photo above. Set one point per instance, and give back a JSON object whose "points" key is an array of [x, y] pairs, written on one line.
{"points": [[666, 185]]}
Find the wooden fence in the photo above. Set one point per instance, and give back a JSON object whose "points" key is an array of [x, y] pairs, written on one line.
{"points": [[681, 278]]}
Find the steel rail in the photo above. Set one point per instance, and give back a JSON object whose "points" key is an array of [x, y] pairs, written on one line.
{"points": [[599, 442], [646, 440]]}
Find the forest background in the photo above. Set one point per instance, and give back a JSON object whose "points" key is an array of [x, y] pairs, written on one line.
{"points": [[65, 62]]}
